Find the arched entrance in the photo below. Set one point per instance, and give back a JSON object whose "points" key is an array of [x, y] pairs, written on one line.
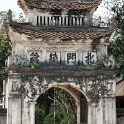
{"points": [[80, 101], [25, 89]]}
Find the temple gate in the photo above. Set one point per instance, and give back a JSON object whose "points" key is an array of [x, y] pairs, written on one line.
{"points": [[58, 46]]}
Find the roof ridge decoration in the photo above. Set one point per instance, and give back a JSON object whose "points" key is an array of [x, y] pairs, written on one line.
{"points": [[59, 4], [49, 34]]}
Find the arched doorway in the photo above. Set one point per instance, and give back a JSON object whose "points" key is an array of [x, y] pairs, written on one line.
{"points": [[23, 99], [79, 99]]}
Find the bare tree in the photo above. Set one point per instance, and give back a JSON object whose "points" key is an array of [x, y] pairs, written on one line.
{"points": [[104, 16]]}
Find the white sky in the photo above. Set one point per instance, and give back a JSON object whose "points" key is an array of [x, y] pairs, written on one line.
{"points": [[5, 5]]}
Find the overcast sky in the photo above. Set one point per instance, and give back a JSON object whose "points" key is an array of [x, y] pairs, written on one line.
{"points": [[5, 5]]}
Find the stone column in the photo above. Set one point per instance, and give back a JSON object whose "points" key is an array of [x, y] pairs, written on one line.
{"points": [[63, 20], [73, 21], [78, 112], [14, 110], [92, 113], [32, 112], [60, 20], [100, 112], [39, 20], [78, 21], [81, 22], [66, 20], [25, 111], [110, 111], [50, 20], [42, 20], [46, 20]]}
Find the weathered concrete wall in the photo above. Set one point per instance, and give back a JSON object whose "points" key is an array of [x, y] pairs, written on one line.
{"points": [[3, 115]]}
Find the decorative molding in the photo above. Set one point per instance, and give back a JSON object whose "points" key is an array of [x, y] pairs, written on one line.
{"points": [[15, 86], [17, 61], [32, 86], [104, 63], [97, 88]]}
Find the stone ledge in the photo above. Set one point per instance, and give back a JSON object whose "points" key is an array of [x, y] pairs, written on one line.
{"points": [[61, 72]]}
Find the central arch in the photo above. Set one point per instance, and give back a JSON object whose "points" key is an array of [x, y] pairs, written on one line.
{"points": [[79, 97]]}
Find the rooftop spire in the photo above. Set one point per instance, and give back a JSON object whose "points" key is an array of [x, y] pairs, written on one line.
{"points": [[9, 15]]}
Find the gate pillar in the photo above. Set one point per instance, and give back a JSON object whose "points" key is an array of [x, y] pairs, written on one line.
{"points": [[32, 112], [14, 110], [110, 111], [91, 113], [78, 112], [103, 112]]}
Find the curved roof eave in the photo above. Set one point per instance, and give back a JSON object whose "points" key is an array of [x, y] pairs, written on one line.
{"points": [[60, 32], [59, 5]]}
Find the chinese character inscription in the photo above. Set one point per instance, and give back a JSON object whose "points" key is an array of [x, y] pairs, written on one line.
{"points": [[54, 58], [34, 57], [89, 58], [71, 58]]}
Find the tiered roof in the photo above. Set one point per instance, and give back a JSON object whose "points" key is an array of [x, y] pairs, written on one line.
{"points": [[38, 4], [50, 32]]}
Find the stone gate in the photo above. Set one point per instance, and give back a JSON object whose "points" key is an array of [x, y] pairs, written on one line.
{"points": [[57, 46]]}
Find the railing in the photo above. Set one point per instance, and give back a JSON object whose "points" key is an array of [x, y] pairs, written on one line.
{"points": [[60, 20]]}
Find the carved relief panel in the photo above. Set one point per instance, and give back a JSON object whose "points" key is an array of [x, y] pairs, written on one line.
{"points": [[16, 61], [15, 86]]}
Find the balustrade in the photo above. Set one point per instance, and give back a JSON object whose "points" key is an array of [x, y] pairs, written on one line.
{"points": [[60, 20]]}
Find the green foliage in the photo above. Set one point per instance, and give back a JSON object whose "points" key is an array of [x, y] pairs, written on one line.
{"points": [[49, 119], [118, 45], [46, 100], [39, 116], [3, 15], [5, 51], [65, 102], [33, 65], [70, 119]]}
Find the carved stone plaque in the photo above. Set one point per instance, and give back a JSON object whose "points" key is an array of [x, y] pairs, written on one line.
{"points": [[15, 86], [89, 58], [71, 58], [35, 56], [53, 57]]}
